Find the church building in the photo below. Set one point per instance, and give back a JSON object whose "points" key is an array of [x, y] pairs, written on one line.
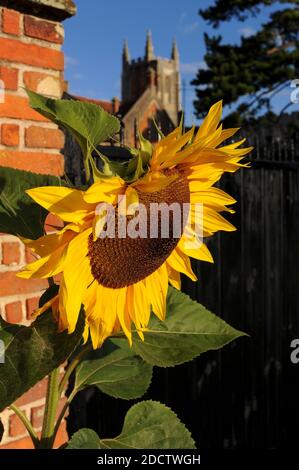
{"points": [[150, 88]]}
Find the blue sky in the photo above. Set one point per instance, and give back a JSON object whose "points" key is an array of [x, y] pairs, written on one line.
{"points": [[95, 36]]}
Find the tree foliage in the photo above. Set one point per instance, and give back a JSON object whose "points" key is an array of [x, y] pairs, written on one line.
{"points": [[255, 70]]}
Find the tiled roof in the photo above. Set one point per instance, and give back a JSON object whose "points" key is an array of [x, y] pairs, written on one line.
{"points": [[107, 105]]}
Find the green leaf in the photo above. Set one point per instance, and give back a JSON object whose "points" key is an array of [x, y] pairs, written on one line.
{"points": [[19, 214], [31, 353], [90, 124], [116, 371], [146, 147], [149, 424], [84, 439], [188, 331]]}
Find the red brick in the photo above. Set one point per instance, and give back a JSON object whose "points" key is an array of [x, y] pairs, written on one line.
{"points": [[16, 427], [18, 107], [31, 306], [10, 253], [11, 22], [30, 257], [41, 29], [24, 443], [37, 162], [57, 278], [13, 312], [37, 81], [41, 137], [53, 223], [10, 284], [10, 77], [37, 415], [10, 135], [62, 436], [31, 54], [35, 393]]}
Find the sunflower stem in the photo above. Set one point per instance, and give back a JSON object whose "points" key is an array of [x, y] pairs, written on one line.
{"points": [[72, 366], [62, 413], [31, 431], [52, 398]]}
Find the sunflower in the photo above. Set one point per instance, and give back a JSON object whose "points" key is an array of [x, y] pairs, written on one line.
{"points": [[120, 280]]}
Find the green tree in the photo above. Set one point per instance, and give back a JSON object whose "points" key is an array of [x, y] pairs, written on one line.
{"points": [[255, 70]]}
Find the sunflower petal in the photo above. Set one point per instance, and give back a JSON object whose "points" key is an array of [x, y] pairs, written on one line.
{"points": [[174, 277], [77, 276], [157, 286], [197, 250], [123, 313], [51, 264], [105, 190], [181, 263], [66, 203], [211, 121]]}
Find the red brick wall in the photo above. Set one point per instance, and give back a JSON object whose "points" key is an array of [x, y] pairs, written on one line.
{"points": [[30, 56]]}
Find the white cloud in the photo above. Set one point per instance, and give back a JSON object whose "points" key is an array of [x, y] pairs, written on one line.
{"points": [[247, 32], [192, 67], [190, 28], [70, 61]]}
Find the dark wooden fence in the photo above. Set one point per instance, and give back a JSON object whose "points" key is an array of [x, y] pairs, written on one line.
{"points": [[246, 395]]}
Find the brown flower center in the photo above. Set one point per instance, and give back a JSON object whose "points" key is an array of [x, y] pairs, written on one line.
{"points": [[121, 261]]}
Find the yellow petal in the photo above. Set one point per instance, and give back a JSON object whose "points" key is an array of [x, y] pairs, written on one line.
{"points": [[90, 298], [46, 306], [63, 321], [157, 286], [154, 181], [85, 332], [105, 190], [166, 157], [138, 306], [213, 222], [98, 225], [211, 121], [77, 276], [44, 245], [181, 263], [105, 312], [226, 134], [128, 204], [101, 304], [94, 329], [174, 277], [211, 196], [123, 313], [51, 264], [163, 143], [66, 203], [130, 307], [198, 251]]}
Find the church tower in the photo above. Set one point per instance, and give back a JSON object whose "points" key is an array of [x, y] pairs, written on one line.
{"points": [[159, 75]]}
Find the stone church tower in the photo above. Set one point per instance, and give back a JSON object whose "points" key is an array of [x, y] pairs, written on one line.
{"points": [[150, 87]]}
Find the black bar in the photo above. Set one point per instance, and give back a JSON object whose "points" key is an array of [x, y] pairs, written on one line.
{"points": [[133, 459]]}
